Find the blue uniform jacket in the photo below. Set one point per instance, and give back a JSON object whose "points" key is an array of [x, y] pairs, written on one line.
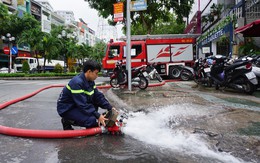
{"points": [[83, 95]]}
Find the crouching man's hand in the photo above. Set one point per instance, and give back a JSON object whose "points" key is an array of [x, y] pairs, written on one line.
{"points": [[101, 120]]}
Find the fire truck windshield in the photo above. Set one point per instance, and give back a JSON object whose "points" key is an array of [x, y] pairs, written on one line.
{"points": [[114, 51]]}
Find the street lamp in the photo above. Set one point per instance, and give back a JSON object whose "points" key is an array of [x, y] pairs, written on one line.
{"points": [[9, 39], [66, 36]]}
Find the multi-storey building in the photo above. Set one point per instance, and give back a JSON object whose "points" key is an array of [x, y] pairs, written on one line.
{"points": [[217, 24], [44, 12], [67, 15]]}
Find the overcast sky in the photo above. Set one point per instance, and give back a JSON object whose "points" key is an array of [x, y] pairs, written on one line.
{"points": [[82, 10]]}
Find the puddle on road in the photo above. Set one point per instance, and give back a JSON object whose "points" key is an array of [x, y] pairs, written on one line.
{"points": [[165, 128], [191, 125], [242, 101]]}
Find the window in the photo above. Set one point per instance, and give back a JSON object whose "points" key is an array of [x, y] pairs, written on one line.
{"points": [[135, 50], [114, 51]]}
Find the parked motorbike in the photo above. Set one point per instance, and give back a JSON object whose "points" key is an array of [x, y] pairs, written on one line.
{"points": [[187, 73], [152, 73], [255, 59], [119, 77], [200, 72], [236, 75]]}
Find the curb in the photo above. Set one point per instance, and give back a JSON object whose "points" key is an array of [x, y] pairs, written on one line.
{"points": [[35, 78]]}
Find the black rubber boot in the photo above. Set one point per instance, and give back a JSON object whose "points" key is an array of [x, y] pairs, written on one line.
{"points": [[66, 124]]}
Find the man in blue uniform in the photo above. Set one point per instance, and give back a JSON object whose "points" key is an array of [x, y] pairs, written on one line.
{"points": [[79, 100]]}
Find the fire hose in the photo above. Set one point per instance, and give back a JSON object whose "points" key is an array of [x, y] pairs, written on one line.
{"points": [[11, 131], [33, 133]]}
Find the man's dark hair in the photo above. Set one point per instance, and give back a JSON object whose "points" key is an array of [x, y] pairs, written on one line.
{"points": [[91, 65]]}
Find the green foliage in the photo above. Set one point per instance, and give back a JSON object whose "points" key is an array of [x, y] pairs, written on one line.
{"points": [[4, 19], [67, 75], [160, 27], [156, 10], [25, 67], [72, 69], [58, 68], [248, 48], [78, 69]]}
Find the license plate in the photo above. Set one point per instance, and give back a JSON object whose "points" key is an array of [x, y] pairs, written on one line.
{"points": [[145, 73], [250, 75], [207, 69]]}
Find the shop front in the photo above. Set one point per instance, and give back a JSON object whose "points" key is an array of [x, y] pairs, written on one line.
{"points": [[217, 41]]}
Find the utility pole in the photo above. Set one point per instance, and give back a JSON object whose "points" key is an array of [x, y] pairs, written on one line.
{"points": [[128, 45]]}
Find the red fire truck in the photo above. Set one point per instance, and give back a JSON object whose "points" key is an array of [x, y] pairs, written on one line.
{"points": [[168, 52]]}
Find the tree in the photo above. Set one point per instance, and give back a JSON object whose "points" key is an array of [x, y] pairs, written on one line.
{"points": [[33, 37], [84, 51], [156, 10], [49, 47], [160, 27], [4, 19], [17, 25], [67, 45], [25, 67], [99, 51]]}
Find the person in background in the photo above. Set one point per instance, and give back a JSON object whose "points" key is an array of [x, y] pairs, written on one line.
{"points": [[79, 100]]}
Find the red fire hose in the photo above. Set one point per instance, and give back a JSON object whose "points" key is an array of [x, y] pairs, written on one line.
{"points": [[45, 133], [49, 133]]}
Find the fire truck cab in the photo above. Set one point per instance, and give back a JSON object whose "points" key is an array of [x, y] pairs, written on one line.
{"points": [[168, 52]]}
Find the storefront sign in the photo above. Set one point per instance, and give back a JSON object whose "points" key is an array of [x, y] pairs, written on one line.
{"points": [[213, 36]]}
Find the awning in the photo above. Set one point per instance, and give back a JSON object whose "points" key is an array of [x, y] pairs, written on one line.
{"points": [[250, 30]]}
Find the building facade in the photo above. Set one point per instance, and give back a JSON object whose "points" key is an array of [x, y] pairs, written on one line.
{"points": [[44, 13], [219, 19]]}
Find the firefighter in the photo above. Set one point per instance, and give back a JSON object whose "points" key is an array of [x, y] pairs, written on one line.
{"points": [[79, 100]]}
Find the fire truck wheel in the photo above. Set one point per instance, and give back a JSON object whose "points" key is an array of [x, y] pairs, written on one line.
{"points": [[174, 72]]}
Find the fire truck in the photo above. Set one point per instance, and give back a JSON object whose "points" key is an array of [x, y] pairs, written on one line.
{"points": [[167, 52]]}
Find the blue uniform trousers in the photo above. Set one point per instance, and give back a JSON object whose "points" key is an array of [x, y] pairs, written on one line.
{"points": [[80, 119]]}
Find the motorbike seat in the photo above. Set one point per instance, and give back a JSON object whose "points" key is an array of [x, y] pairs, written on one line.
{"points": [[234, 65]]}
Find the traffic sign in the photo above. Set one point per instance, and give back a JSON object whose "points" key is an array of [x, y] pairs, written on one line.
{"points": [[139, 5], [6, 50], [14, 50]]}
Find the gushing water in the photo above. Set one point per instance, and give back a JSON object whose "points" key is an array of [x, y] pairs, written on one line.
{"points": [[153, 128]]}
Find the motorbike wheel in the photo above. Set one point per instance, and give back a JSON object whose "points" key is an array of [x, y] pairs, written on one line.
{"points": [[143, 83], [158, 77], [114, 83], [249, 88], [185, 75], [209, 82]]}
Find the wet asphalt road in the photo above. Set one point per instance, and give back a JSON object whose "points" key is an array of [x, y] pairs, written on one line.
{"points": [[39, 112]]}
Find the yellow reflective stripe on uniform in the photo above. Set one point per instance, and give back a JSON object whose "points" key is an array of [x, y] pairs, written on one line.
{"points": [[81, 91], [74, 91], [90, 93]]}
